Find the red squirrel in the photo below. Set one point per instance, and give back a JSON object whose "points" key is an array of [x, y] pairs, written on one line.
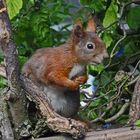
{"points": [[59, 71]]}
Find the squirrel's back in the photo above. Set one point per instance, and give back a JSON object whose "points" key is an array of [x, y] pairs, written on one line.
{"points": [[46, 60]]}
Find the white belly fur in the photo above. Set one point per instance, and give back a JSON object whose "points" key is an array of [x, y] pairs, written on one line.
{"points": [[76, 70]]}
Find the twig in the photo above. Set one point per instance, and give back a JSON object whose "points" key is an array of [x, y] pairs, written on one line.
{"points": [[113, 53], [119, 88], [100, 118], [104, 29], [135, 68], [133, 81], [118, 114]]}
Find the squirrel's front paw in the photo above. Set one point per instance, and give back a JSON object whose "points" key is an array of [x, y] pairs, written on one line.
{"points": [[80, 79], [74, 86]]}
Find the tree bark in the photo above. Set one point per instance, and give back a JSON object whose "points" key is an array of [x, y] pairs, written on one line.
{"points": [[134, 113], [5, 125], [111, 134], [54, 121], [15, 95]]}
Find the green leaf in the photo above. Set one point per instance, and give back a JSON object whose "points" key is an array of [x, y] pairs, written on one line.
{"points": [[103, 95], [133, 18], [13, 7], [3, 82], [95, 103], [99, 68], [32, 1], [22, 60], [96, 5], [85, 2], [105, 77], [93, 115], [107, 39], [130, 48], [110, 15], [137, 123]]}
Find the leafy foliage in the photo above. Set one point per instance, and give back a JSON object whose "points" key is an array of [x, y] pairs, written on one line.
{"points": [[111, 14], [14, 7], [34, 26], [137, 123], [133, 18], [121, 36]]}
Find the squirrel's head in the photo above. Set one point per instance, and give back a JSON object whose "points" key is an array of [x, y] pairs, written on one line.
{"points": [[88, 47]]}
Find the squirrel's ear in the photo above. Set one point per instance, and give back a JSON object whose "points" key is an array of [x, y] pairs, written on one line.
{"points": [[78, 22], [91, 26], [78, 29]]}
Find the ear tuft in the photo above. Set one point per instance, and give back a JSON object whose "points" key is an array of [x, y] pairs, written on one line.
{"points": [[78, 31], [91, 26], [78, 22]]}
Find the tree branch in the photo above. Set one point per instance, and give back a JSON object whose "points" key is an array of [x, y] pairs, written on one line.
{"points": [[16, 100], [56, 122], [134, 113], [5, 125]]}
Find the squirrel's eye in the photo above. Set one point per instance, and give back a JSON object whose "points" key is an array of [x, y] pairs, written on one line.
{"points": [[90, 46]]}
